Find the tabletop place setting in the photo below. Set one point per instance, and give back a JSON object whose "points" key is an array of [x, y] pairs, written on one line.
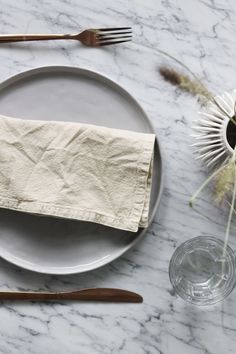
{"points": [[71, 170], [76, 168], [83, 174]]}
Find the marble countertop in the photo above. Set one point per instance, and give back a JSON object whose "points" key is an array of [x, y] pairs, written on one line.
{"points": [[201, 34]]}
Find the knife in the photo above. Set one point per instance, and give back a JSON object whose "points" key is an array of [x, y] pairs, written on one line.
{"points": [[91, 294]]}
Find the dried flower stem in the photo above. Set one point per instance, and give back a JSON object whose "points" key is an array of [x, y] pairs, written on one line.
{"points": [[230, 217], [231, 208], [204, 184], [224, 182], [213, 175]]}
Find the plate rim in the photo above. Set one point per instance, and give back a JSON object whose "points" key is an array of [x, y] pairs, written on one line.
{"points": [[105, 79]]}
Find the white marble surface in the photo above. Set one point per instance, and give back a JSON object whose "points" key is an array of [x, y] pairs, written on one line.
{"points": [[202, 35]]}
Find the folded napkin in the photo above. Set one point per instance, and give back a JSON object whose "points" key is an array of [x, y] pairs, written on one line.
{"points": [[76, 171]]}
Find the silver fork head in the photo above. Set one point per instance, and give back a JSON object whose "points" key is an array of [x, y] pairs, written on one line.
{"points": [[109, 36]]}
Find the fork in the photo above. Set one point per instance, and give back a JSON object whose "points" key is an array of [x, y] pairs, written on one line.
{"points": [[90, 37]]}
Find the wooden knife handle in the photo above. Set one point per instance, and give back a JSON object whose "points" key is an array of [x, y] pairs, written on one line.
{"points": [[93, 294]]}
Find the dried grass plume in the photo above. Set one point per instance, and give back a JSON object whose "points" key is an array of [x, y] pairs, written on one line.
{"points": [[224, 182], [185, 83]]}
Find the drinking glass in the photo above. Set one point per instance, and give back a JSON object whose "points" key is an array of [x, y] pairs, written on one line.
{"points": [[201, 271]]}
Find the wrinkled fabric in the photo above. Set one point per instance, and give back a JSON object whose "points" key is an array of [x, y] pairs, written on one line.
{"points": [[76, 171]]}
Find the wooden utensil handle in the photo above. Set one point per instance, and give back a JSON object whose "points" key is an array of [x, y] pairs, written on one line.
{"points": [[6, 38], [93, 294]]}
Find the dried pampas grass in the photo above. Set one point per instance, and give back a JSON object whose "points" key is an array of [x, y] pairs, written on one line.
{"points": [[224, 182], [185, 83]]}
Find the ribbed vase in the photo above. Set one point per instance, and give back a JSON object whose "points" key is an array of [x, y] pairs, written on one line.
{"points": [[215, 133]]}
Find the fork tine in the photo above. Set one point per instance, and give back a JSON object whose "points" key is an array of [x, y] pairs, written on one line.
{"points": [[115, 29], [108, 38], [113, 34], [112, 42]]}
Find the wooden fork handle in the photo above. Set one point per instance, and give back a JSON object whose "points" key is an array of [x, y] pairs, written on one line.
{"points": [[6, 38], [93, 294]]}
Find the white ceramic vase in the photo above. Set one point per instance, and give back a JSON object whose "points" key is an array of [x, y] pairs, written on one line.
{"points": [[215, 133]]}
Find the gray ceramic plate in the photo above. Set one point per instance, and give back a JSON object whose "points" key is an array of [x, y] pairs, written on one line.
{"points": [[58, 246]]}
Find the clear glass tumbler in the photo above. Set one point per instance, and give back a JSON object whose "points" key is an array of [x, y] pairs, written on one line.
{"points": [[201, 272]]}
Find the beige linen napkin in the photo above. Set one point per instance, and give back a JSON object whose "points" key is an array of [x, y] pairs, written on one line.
{"points": [[76, 171]]}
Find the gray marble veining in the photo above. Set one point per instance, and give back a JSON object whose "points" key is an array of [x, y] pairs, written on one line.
{"points": [[201, 34]]}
